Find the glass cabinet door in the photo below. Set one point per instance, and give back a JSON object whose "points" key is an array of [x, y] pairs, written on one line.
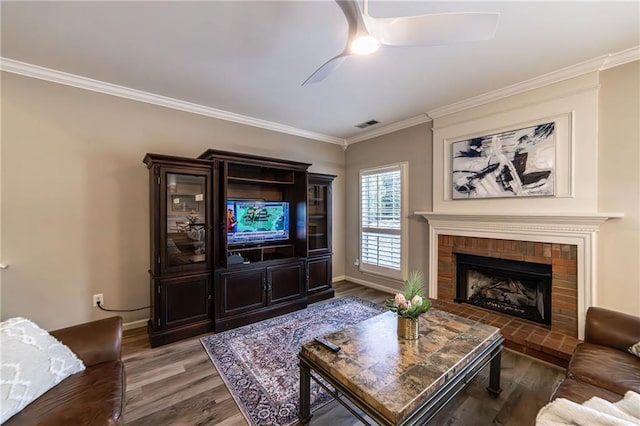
{"points": [[318, 227], [186, 227]]}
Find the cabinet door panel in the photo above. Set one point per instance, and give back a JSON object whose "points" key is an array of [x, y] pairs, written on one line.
{"points": [[319, 273], [185, 224], [241, 291], [184, 300], [286, 282], [181, 219]]}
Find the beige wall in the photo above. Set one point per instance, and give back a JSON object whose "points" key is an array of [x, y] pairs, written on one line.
{"points": [[414, 146], [75, 215], [619, 187]]}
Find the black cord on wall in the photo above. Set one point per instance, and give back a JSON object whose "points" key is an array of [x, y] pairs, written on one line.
{"points": [[120, 310]]}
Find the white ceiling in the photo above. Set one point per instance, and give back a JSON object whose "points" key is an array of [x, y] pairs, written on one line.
{"points": [[250, 58]]}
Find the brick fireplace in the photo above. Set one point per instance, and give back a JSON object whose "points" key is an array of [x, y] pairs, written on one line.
{"points": [[561, 257], [568, 242]]}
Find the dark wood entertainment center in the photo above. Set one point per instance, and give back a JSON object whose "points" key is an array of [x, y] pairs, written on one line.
{"points": [[200, 280]]}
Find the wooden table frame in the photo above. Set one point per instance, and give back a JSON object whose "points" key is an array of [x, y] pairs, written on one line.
{"points": [[491, 354]]}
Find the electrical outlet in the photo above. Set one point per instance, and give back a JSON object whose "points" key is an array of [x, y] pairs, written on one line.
{"points": [[98, 298], [356, 262]]}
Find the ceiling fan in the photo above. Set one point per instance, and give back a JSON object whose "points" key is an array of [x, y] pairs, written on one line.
{"points": [[367, 33]]}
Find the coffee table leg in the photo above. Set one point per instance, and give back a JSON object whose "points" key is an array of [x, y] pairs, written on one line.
{"points": [[494, 374], [304, 411]]}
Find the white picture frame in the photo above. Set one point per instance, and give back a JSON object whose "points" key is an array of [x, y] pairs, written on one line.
{"points": [[518, 162]]}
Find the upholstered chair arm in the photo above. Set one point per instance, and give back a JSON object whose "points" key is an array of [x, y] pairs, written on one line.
{"points": [[610, 328], [94, 342]]}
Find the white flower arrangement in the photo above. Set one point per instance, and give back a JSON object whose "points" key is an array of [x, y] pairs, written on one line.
{"points": [[411, 303]]}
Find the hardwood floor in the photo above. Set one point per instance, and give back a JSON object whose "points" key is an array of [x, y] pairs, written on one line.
{"points": [[177, 384]]}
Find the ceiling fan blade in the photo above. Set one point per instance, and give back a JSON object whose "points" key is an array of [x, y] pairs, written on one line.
{"points": [[433, 29], [327, 68], [356, 24], [354, 17]]}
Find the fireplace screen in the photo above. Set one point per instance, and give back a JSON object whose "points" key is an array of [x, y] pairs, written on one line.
{"points": [[521, 289]]}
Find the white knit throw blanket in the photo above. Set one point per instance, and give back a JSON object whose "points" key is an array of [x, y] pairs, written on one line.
{"points": [[594, 412]]}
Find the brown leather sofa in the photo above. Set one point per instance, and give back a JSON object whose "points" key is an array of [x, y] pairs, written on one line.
{"points": [[95, 396], [602, 366]]}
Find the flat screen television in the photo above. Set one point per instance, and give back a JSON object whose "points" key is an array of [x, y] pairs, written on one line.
{"points": [[253, 222]]}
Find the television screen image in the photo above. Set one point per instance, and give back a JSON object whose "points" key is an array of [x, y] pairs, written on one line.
{"points": [[257, 221]]}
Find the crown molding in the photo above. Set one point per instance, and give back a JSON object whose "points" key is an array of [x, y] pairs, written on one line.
{"points": [[393, 127], [596, 64], [524, 86], [60, 77], [621, 58]]}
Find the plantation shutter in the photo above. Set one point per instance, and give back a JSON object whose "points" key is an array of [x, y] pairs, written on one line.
{"points": [[381, 219]]}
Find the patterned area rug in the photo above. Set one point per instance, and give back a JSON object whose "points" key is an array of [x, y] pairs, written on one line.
{"points": [[259, 362]]}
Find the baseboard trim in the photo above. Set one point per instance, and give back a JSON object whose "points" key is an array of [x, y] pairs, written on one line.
{"points": [[338, 279], [135, 324], [372, 285]]}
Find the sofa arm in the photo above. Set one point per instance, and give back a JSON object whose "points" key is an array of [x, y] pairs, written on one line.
{"points": [[94, 342], [610, 328]]}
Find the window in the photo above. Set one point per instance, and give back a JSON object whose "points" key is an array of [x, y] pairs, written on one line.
{"points": [[382, 220]]}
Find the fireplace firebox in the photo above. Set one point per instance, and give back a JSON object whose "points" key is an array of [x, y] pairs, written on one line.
{"points": [[521, 289]]}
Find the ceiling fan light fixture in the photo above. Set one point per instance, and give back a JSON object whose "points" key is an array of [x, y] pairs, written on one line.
{"points": [[366, 33], [364, 45]]}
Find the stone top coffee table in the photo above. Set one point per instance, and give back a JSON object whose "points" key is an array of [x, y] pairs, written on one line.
{"points": [[396, 381]]}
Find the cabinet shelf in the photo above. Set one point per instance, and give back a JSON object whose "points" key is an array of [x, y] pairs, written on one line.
{"points": [[261, 181], [264, 253], [251, 173], [261, 246]]}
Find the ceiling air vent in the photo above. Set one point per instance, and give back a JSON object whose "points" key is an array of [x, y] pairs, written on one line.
{"points": [[367, 124]]}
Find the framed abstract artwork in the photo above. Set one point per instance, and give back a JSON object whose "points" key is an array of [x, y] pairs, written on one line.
{"points": [[512, 163]]}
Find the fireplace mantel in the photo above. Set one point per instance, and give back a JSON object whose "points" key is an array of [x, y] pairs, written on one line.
{"points": [[557, 228], [556, 221]]}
